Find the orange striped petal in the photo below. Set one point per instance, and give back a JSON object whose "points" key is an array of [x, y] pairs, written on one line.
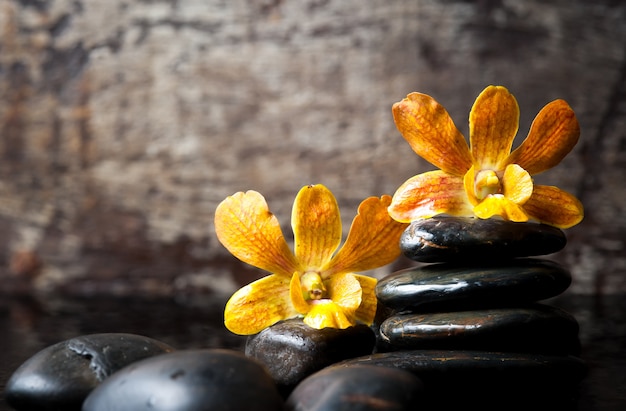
{"points": [[499, 205], [429, 194], [372, 241], [553, 134], [326, 313], [316, 224], [431, 133], [517, 184], [553, 206], [494, 120], [367, 310], [259, 305], [247, 228]]}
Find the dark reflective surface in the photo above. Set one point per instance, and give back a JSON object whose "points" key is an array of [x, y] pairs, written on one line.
{"points": [[29, 324]]}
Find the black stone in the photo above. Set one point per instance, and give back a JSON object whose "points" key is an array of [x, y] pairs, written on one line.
{"points": [[537, 328], [448, 287], [462, 239], [291, 350], [487, 380], [358, 388], [61, 376], [193, 380]]}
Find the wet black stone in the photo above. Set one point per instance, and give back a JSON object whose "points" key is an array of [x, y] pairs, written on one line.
{"points": [[191, 380], [291, 350], [537, 328], [449, 287], [487, 380], [358, 388], [462, 239], [61, 376]]}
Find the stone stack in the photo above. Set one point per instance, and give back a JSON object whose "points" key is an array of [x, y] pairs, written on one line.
{"points": [[472, 321]]}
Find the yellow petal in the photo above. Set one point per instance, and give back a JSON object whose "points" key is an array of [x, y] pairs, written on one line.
{"points": [[501, 206], [494, 120], [429, 194], [328, 314], [316, 224], [367, 310], [295, 293], [469, 186], [259, 305], [246, 227], [373, 240], [344, 290], [553, 206], [553, 134], [431, 133], [517, 184]]}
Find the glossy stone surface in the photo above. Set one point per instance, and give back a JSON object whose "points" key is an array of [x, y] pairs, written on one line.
{"points": [[488, 380], [291, 350], [455, 286], [463, 239], [358, 388], [62, 375], [193, 380], [536, 328]]}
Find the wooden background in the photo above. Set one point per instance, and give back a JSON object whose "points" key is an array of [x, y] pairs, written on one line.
{"points": [[124, 123]]}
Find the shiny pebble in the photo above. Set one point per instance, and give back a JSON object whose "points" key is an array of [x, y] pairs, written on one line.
{"points": [[535, 328], [448, 287], [358, 388], [61, 376], [291, 350], [464, 239], [190, 380]]}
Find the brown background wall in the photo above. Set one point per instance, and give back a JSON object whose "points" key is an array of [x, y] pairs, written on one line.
{"points": [[124, 123]]}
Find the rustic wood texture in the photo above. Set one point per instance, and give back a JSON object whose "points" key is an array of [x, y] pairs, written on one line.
{"points": [[124, 123]]}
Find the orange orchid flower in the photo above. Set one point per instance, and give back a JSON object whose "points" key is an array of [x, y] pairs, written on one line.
{"points": [[314, 282], [486, 179]]}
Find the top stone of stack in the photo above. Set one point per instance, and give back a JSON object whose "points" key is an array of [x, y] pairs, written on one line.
{"points": [[452, 239]]}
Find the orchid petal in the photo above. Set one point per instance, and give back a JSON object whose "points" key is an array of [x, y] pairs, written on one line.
{"points": [[429, 194], [372, 241], [468, 185], [367, 310], [259, 305], [344, 290], [431, 133], [247, 228], [517, 184], [553, 134], [326, 313], [295, 294], [553, 206], [316, 224], [499, 205], [494, 120]]}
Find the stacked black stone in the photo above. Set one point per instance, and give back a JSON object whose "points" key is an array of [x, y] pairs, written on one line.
{"points": [[472, 321]]}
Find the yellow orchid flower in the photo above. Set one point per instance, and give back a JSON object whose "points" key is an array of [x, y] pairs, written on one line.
{"points": [[314, 281], [486, 179]]}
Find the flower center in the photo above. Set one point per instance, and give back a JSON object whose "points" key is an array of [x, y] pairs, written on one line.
{"points": [[486, 183], [312, 286]]}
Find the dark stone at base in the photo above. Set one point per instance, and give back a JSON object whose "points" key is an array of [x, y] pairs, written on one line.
{"points": [[487, 380], [448, 287], [291, 350], [358, 388], [463, 239], [537, 328], [194, 380], [61, 376]]}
